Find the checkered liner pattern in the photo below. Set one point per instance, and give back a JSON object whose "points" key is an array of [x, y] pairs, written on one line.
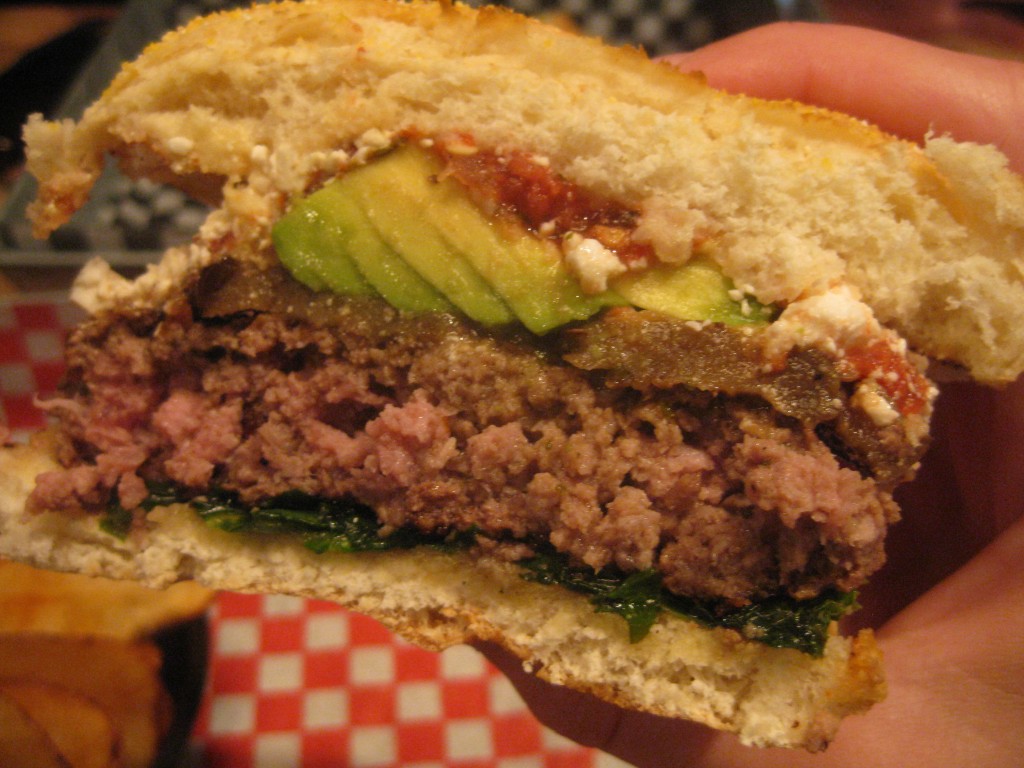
{"points": [[297, 682], [31, 345], [294, 682]]}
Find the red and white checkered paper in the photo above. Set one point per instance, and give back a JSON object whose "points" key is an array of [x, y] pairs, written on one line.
{"points": [[295, 682]]}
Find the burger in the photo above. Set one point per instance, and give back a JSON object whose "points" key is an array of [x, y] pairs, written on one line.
{"points": [[497, 333]]}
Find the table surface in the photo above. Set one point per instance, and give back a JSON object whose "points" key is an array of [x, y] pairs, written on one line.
{"points": [[298, 682]]}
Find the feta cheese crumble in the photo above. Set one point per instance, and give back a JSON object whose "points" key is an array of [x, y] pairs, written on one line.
{"points": [[180, 145], [590, 262], [832, 321], [874, 404]]}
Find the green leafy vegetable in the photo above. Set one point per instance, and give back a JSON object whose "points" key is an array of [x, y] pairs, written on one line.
{"points": [[162, 495], [636, 597], [117, 522], [324, 525], [639, 598], [341, 525], [786, 623]]}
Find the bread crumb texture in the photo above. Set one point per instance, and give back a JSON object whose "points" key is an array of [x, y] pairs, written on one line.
{"points": [[768, 696]]}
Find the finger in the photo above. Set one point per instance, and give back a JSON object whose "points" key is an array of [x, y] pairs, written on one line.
{"points": [[907, 88], [582, 718], [956, 689], [955, 666], [996, 576], [640, 739], [969, 489], [987, 439]]}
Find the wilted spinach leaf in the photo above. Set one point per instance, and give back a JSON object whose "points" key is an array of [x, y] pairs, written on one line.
{"points": [[117, 522], [639, 598], [341, 525]]}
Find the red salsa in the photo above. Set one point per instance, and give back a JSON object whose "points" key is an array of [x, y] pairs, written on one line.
{"points": [[516, 182], [905, 387]]}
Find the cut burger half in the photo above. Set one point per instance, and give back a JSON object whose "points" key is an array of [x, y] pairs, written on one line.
{"points": [[496, 333]]}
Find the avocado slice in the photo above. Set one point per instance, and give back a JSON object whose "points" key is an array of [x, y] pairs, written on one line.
{"points": [[397, 283], [696, 290], [359, 236], [400, 223], [526, 271], [399, 229], [314, 248]]}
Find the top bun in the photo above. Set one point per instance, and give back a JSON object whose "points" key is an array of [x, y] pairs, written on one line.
{"points": [[247, 108]]}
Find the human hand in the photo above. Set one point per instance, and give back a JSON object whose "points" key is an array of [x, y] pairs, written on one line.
{"points": [[905, 87], [950, 604]]}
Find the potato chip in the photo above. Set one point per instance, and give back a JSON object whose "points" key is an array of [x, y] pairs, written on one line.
{"points": [[122, 677], [80, 729], [25, 743]]}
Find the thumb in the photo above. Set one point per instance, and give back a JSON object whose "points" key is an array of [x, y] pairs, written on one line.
{"points": [[956, 689], [905, 87]]}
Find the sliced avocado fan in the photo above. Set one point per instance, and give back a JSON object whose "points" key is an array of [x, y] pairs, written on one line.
{"points": [[399, 229]]}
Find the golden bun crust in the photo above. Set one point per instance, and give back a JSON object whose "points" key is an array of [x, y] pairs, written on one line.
{"points": [[769, 697], [245, 108]]}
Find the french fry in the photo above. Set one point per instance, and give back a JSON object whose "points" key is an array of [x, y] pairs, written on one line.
{"points": [[81, 730], [78, 659], [121, 676], [25, 743], [33, 600]]}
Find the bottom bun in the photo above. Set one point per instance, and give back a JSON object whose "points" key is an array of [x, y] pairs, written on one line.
{"points": [[767, 696]]}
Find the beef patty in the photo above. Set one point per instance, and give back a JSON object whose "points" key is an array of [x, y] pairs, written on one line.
{"points": [[260, 388]]}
